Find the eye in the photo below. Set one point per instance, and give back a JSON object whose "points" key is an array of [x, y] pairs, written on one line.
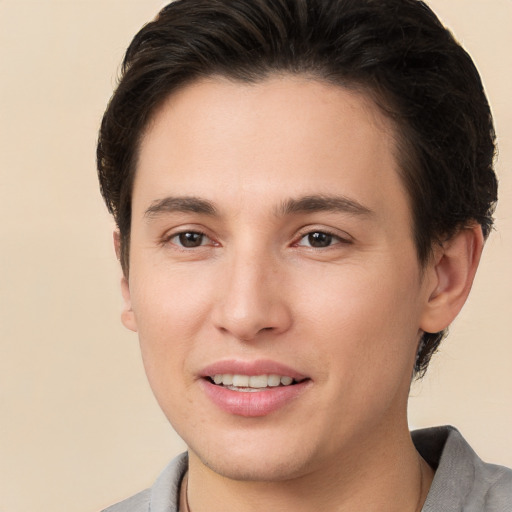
{"points": [[190, 239], [319, 240]]}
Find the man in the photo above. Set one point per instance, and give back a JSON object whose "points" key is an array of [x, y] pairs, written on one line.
{"points": [[302, 190]]}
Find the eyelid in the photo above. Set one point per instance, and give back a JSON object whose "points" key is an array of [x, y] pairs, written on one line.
{"points": [[166, 238], [342, 236]]}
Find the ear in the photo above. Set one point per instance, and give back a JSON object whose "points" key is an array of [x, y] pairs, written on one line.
{"points": [[127, 315], [453, 269]]}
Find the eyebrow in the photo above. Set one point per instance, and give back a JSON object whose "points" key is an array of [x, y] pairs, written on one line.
{"points": [[180, 204], [323, 203], [306, 204]]}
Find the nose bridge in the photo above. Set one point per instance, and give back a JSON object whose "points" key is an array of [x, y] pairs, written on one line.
{"points": [[251, 299]]}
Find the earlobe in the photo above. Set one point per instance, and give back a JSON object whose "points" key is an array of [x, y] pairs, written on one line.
{"points": [[127, 315], [454, 268]]}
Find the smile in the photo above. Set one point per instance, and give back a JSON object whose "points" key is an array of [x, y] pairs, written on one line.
{"points": [[251, 383], [252, 388]]}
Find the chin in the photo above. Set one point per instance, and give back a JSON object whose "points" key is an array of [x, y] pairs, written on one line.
{"points": [[265, 469], [256, 458]]}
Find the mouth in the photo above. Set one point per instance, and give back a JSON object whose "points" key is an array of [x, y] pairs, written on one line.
{"points": [[253, 388], [252, 383]]}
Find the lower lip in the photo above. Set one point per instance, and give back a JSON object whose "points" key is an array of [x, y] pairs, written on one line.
{"points": [[253, 403]]}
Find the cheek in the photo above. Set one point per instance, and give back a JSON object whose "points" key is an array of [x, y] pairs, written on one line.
{"points": [[369, 319], [170, 298], [170, 309]]}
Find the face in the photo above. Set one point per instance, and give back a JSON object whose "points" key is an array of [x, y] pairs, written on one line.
{"points": [[274, 281]]}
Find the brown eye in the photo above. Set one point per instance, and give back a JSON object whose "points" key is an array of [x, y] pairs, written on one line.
{"points": [[190, 239], [321, 240], [318, 239]]}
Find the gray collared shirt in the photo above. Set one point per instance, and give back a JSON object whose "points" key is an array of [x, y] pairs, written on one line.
{"points": [[462, 482]]}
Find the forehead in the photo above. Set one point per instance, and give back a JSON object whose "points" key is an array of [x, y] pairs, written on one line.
{"points": [[286, 135]]}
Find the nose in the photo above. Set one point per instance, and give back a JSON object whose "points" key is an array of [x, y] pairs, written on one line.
{"points": [[252, 299]]}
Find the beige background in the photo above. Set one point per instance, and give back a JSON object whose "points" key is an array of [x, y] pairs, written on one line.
{"points": [[79, 428]]}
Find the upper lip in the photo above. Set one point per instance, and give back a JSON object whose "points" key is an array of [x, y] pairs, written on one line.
{"points": [[258, 367]]}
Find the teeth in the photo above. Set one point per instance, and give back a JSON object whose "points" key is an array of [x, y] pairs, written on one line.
{"points": [[259, 381], [241, 381], [251, 381], [274, 380]]}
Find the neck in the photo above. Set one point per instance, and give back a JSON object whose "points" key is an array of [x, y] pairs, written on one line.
{"points": [[378, 476]]}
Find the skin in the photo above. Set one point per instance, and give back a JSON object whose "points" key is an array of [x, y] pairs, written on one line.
{"points": [[348, 315]]}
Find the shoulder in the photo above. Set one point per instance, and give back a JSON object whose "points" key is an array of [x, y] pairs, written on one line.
{"points": [[162, 496], [498, 485], [462, 480], [138, 503]]}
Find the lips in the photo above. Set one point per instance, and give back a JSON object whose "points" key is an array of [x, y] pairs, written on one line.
{"points": [[252, 389]]}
